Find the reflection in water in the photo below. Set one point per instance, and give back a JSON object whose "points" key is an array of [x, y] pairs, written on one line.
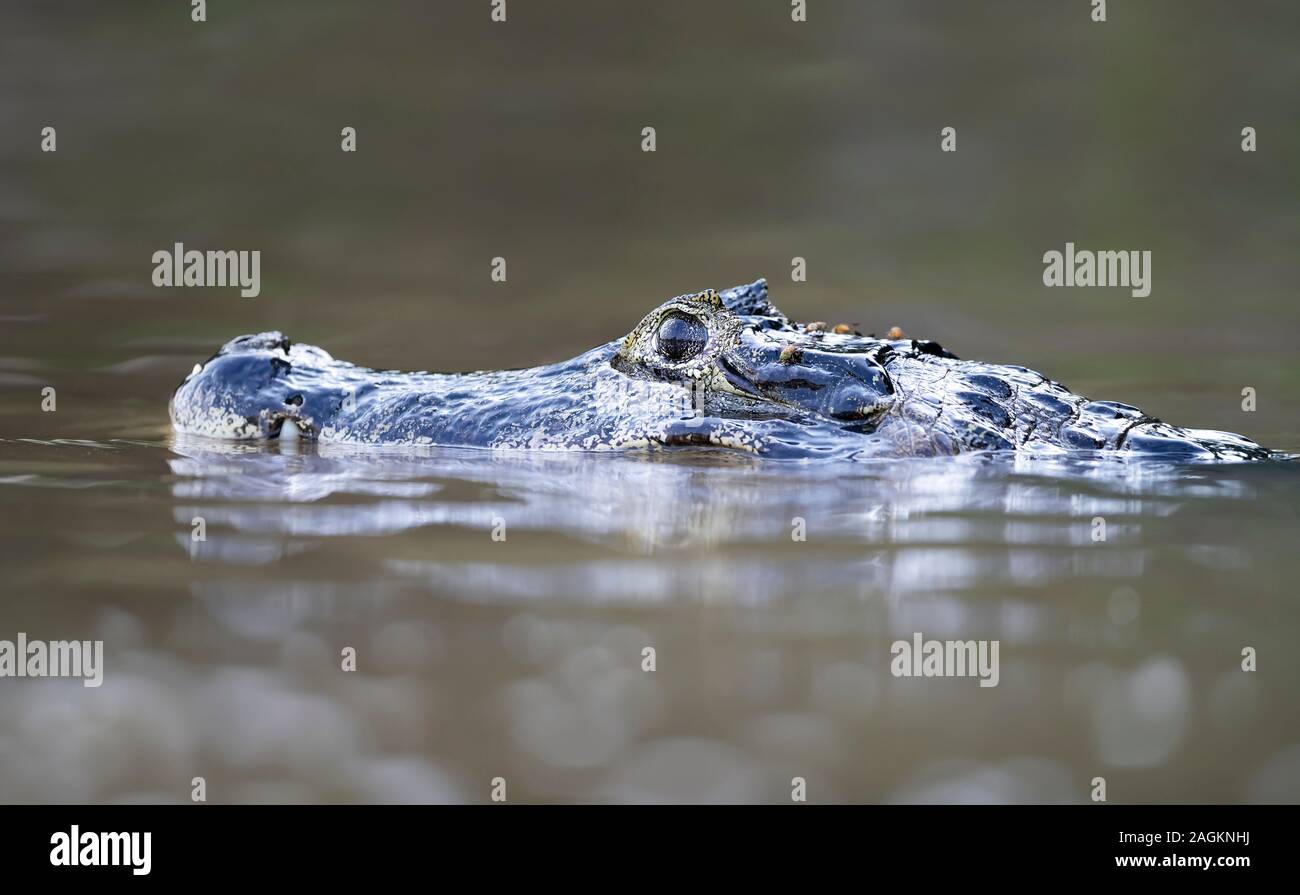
{"points": [[919, 525], [523, 657], [773, 651]]}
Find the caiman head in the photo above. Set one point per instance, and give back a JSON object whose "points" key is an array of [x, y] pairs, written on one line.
{"points": [[805, 390], [787, 389], [751, 378], [756, 364], [706, 369]]}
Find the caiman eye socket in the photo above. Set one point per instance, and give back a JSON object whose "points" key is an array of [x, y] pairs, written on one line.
{"points": [[681, 337]]}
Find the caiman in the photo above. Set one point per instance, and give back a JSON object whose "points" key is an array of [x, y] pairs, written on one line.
{"points": [[709, 369]]}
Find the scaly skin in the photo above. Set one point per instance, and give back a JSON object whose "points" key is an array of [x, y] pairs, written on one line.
{"points": [[729, 371]]}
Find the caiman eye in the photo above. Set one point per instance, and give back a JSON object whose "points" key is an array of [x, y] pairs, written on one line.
{"points": [[681, 337]]}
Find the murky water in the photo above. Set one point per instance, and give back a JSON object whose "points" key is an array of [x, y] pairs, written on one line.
{"points": [[521, 656]]}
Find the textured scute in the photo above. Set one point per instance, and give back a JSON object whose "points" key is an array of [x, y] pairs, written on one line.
{"points": [[758, 383], [750, 300]]}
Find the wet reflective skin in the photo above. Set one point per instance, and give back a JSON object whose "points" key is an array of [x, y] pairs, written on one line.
{"points": [[724, 370]]}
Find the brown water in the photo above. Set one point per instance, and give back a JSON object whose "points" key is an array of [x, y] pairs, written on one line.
{"points": [[522, 658]]}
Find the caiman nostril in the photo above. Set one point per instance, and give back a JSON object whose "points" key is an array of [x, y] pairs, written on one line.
{"points": [[295, 400]]}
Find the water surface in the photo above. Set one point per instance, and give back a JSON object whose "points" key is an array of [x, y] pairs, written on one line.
{"points": [[522, 657]]}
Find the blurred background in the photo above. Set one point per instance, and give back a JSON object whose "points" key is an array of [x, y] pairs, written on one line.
{"points": [[522, 140]]}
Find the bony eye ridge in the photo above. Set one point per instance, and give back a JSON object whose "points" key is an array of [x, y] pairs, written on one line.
{"points": [[681, 337]]}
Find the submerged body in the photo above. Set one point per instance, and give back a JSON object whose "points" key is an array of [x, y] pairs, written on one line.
{"points": [[725, 370]]}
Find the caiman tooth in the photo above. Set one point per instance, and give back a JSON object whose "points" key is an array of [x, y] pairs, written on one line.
{"points": [[270, 423]]}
